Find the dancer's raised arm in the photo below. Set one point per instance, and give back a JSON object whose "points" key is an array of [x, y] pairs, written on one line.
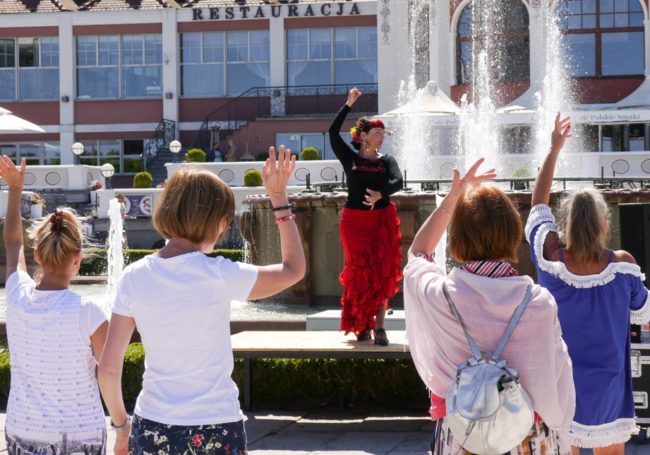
{"points": [[542, 189]]}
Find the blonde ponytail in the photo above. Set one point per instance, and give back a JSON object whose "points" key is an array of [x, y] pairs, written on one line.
{"points": [[57, 237], [584, 221]]}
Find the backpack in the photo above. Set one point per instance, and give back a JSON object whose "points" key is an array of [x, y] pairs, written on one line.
{"points": [[487, 408]]}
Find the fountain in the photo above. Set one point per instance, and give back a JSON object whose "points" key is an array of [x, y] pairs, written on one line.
{"points": [[431, 134]]}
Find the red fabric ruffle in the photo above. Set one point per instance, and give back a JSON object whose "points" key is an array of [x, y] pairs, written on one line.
{"points": [[373, 264]]}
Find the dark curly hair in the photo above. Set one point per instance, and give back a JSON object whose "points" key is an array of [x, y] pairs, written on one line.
{"points": [[363, 125]]}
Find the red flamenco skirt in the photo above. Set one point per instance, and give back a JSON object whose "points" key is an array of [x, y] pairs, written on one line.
{"points": [[373, 264]]}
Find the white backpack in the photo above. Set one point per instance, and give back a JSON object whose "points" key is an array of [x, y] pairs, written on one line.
{"points": [[488, 411]]}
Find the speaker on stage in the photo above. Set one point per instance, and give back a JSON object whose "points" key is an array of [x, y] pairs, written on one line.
{"points": [[634, 221]]}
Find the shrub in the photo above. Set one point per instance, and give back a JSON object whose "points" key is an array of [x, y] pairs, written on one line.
{"points": [[310, 153], [253, 177], [196, 155], [142, 180], [94, 261], [262, 156]]}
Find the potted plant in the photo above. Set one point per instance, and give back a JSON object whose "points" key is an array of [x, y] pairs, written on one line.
{"points": [[142, 180], [36, 207], [310, 153], [253, 177], [196, 155], [520, 173]]}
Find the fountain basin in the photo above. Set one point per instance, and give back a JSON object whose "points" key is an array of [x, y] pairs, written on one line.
{"points": [[318, 216]]}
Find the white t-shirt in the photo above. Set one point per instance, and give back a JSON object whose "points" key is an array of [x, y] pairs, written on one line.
{"points": [[181, 307], [53, 385]]}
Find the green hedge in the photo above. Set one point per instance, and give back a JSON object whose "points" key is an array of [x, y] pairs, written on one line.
{"points": [[291, 384], [94, 262]]}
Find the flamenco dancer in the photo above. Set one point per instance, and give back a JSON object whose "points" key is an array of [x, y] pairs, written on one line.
{"points": [[369, 226]]}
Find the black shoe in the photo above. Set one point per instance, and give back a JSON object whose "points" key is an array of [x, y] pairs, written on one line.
{"points": [[363, 335], [380, 337]]}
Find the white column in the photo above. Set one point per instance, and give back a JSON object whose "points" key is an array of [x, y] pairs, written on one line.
{"points": [[393, 49], [278, 51], [646, 27], [278, 63], [67, 85], [171, 67], [440, 45], [537, 37]]}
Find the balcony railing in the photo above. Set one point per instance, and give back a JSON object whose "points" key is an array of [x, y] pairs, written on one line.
{"points": [[280, 101]]}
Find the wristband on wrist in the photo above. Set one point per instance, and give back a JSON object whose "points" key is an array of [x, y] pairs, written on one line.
{"points": [[284, 207], [444, 210], [282, 219], [124, 427]]}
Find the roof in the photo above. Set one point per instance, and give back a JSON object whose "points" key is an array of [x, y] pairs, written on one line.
{"points": [[116, 5], [36, 6]]}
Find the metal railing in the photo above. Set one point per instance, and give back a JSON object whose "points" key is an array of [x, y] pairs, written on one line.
{"points": [[164, 133], [280, 101]]}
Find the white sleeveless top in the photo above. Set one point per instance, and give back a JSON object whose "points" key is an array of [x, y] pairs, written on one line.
{"points": [[54, 395]]}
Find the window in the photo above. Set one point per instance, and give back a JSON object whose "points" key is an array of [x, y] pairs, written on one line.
{"points": [[326, 56], [29, 68], [299, 141], [36, 153], [224, 63], [624, 138], [603, 37], [125, 156], [113, 66], [510, 39]]}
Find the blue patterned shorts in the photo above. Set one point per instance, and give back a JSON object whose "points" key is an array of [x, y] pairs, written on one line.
{"points": [[152, 437]]}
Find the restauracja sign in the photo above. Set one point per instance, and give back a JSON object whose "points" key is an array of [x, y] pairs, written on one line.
{"points": [[259, 12]]}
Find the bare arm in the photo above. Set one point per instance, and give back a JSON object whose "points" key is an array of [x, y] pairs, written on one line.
{"points": [[98, 339], [110, 374], [272, 279], [542, 189], [13, 226], [431, 232]]}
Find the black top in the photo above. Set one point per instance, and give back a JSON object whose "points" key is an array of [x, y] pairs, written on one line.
{"points": [[382, 174]]}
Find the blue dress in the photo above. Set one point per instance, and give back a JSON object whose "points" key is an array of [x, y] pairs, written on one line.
{"points": [[595, 312]]}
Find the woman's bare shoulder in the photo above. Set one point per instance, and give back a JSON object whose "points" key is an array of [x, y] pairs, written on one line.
{"points": [[623, 256]]}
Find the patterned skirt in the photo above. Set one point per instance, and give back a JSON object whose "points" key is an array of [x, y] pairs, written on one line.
{"points": [[149, 437], [373, 264], [540, 441]]}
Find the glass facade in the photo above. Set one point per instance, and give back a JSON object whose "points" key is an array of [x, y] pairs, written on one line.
{"points": [[119, 66], [509, 39], [603, 37], [124, 155], [224, 63], [297, 142], [325, 56], [36, 153], [29, 68]]}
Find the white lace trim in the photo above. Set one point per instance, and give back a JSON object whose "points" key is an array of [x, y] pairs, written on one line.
{"points": [[590, 436], [541, 213], [558, 268], [642, 315]]}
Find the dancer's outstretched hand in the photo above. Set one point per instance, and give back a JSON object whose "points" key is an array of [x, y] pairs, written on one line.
{"points": [[277, 171], [561, 132], [471, 178], [353, 96], [13, 177]]}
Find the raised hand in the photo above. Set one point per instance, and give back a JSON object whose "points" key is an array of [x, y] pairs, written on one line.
{"points": [[353, 96], [471, 178], [13, 176], [561, 132], [276, 172], [372, 197]]}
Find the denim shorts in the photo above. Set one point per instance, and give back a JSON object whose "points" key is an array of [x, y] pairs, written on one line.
{"points": [[148, 436]]}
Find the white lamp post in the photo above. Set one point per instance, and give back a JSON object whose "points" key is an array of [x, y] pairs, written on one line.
{"points": [[175, 147], [77, 149], [107, 170]]}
